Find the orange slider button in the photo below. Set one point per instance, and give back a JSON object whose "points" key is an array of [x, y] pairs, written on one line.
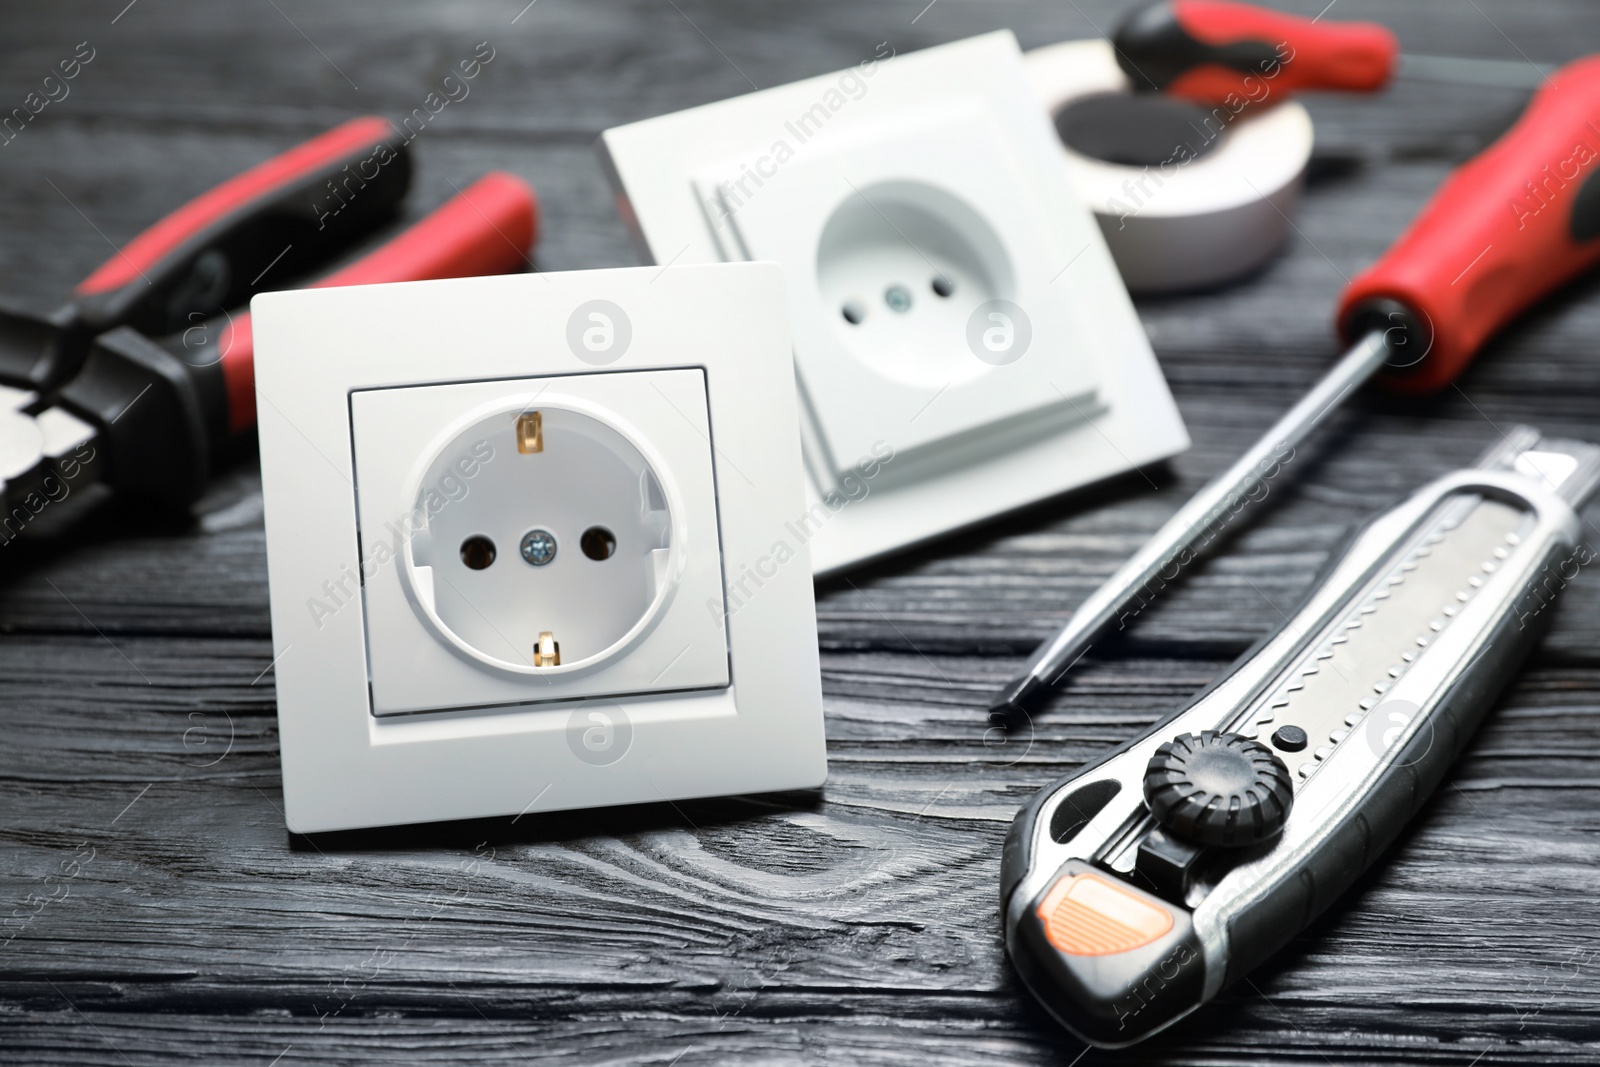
{"points": [[1087, 915]]}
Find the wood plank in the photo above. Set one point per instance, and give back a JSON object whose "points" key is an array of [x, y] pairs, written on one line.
{"points": [[853, 925], [788, 911]]}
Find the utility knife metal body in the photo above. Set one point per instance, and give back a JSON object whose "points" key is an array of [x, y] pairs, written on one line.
{"points": [[1135, 889]]}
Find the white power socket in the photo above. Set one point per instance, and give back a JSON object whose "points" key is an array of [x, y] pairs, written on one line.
{"points": [[959, 327], [582, 507], [510, 570]]}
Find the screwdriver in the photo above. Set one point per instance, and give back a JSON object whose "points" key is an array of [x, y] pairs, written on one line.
{"points": [[1507, 227], [1210, 50]]}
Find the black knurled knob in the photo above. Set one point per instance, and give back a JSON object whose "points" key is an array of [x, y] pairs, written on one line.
{"points": [[1218, 789]]}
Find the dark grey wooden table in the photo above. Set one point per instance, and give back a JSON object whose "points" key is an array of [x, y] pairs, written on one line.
{"points": [[138, 753]]}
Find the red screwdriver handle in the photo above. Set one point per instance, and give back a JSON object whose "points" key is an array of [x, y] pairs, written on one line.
{"points": [[488, 228], [1517, 221], [279, 218], [1219, 52]]}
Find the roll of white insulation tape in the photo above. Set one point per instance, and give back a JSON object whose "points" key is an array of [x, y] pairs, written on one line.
{"points": [[1188, 196]]}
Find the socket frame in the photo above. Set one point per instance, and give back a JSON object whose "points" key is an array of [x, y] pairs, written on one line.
{"points": [[663, 169], [345, 768]]}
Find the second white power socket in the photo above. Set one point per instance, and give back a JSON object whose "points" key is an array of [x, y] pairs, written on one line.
{"points": [[963, 342]]}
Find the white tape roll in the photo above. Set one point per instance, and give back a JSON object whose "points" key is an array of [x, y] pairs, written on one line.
{"points": [[1194, 219]]}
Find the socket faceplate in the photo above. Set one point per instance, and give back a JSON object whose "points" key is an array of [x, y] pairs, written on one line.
{"points": [[438, 466], [372, 399], [879, 242], [875, 188]]}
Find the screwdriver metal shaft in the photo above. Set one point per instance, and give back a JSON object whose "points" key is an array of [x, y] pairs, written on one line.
{"points": [[1471, 70], [1173, 544]]}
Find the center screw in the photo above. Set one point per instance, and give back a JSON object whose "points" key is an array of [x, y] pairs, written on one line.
{"points": [[538, 547]]}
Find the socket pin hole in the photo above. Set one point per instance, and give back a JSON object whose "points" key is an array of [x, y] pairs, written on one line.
{"points": [[943, 286], [598, 543], [898, 297], [477, 552], [854, 313]]}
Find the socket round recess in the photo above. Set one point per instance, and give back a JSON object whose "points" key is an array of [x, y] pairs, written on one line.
{"points": [[542, 524], [900, 268]]}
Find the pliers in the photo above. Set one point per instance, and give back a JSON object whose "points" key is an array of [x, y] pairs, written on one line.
{"points": [[144, 377]]}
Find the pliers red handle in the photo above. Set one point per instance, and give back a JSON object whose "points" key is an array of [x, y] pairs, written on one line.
{"points": [[151, 417], [277, 220]]}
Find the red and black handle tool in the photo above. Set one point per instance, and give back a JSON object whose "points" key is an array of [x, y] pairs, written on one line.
{"points": [[1212, 50], [162, 411], [1517, 222], [275, 221], [1139, 887]]}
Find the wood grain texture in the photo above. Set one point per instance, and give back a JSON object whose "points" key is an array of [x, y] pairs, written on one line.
{"points": [[854, 925]]}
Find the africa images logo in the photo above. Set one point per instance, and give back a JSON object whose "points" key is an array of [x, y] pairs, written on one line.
{"points": [[599, 736], [598, 332], [999, 332]]}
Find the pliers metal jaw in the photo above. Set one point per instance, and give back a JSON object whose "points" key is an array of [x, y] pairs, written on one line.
{"points": [[43, 458]]}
